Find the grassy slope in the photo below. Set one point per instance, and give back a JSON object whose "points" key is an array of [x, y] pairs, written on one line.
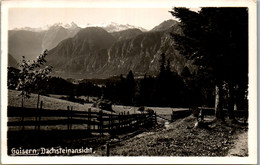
{"points": [[180, 140], [48, 102], [53, 102]]}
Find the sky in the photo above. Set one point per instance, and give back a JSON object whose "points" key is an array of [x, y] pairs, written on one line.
{"points": [[38, 17]]}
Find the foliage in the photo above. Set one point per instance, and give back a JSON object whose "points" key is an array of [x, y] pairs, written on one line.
{"points": [[29, 75], [88, 89], [162, 63], [216, 39], [169, 85], [122, 91], [166, 89], [130, 90], [13, 75]]}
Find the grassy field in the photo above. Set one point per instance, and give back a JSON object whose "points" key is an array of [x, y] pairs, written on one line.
{"points": [[53, 102], [48, 102]]}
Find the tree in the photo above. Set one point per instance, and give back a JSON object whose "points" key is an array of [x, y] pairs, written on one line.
{"points": [[31, 74], [186, 72], [168, 66], [216, 39], [130, 84], [12, 77], [162, 65], [169, 85], [147, 91]]}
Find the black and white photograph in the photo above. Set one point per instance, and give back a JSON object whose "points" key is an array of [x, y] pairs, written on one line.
{"points": [[109, 81]]}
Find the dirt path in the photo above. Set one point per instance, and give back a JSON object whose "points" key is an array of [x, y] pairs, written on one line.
{"points": [[240, 146]]}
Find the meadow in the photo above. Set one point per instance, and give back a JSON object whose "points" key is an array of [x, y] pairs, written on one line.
{"points": [[53, 102], [177, 138]]}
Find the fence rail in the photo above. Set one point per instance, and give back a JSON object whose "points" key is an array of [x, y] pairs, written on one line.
{"points": [[89, 120]]}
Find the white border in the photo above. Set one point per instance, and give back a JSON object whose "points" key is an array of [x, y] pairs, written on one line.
{"points": [[252, 140]]}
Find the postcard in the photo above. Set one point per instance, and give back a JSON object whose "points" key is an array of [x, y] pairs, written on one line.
{"points": [[108, 82]]}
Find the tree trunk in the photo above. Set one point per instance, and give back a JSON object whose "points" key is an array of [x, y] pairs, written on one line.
{"points": [[38, 100], [231, 102], [22, 113], [219, 102], [22, 101]]}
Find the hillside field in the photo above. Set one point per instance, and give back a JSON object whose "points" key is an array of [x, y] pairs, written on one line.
{"points": [[54, 103]]}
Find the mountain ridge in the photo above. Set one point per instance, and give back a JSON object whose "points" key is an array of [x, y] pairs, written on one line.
{"points": [[93, 52], [139, 53], [30, 42]]}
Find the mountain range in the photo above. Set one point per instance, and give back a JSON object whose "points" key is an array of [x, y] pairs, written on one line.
{"points": [[97, 52], [30, 43]]}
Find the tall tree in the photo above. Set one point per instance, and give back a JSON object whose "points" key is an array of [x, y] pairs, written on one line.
{"points": [[30, 76], [130, 82], [216, 39], [168, 67], [162, 65]]}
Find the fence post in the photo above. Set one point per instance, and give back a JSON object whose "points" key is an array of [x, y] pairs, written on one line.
{"points": [[123, 115], [89, 119], [137, 120], [38, 99], [119, 121], [36, 118], [127, 119], [112, 123], [100, 122], [22, 113], [124, 119], [39, 122], [107, 149], [71, 109], [155, 118], [109, 122], [144, 118], [68, 117], [141, 118], [172, 116], [37, 111], [150, 120]]}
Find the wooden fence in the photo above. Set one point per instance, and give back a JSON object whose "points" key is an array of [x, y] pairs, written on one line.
{"points": [[206, 111], [89, 120], [180, 114]]}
